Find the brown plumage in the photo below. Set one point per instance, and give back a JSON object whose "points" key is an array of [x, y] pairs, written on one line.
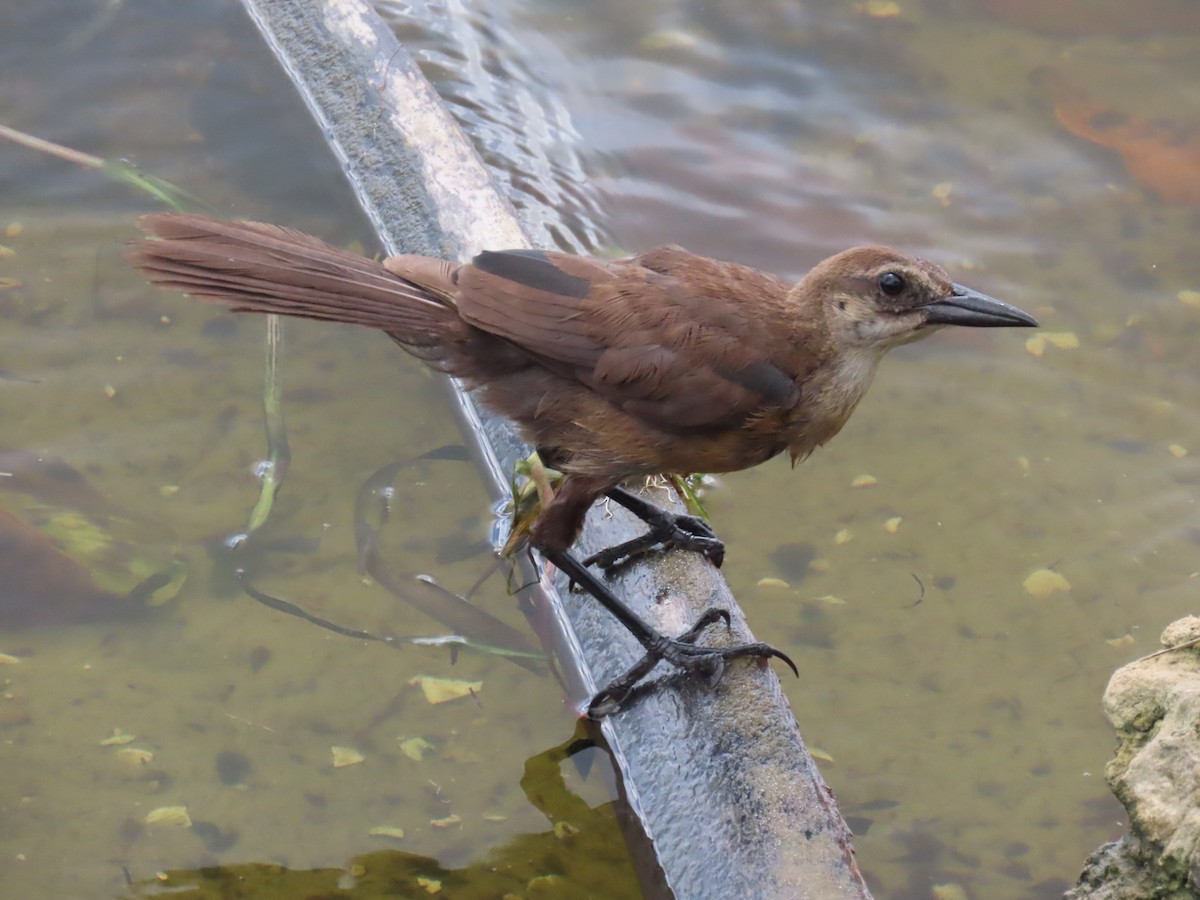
{"points": [[665, 362]]}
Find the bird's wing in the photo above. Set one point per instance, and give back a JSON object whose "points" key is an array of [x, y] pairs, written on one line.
{"points": [[670, 337]]}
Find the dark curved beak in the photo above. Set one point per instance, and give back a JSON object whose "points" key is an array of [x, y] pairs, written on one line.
{"points": [[967, 307]]}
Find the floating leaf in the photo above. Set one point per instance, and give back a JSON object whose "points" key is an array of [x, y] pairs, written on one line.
{"points": [[118, 737], [818, 753], [443, 690], [431, 885], [1177, 450], [346, 756], [135, 756], [843, 537], [1044, 582], [1063, 340], [830, 600], [774, 584], [451, 821], [387, 831], [169, 815], [892, 525], [564, 829], [416, 748], [668, 39], [882, 9], [864, 481], [949, 891]]}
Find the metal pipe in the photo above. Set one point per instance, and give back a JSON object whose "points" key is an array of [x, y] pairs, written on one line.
{"points": [[718, 781]]}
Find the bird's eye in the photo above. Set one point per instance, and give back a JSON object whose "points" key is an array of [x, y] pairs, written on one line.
{"points": [[891, 283]]}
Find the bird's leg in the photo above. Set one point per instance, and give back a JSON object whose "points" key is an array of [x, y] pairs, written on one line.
{"points": [[682, 651], [667, 530], [612, 698]]}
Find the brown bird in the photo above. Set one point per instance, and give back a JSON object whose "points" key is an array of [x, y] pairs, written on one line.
{"points": [[666, 362]]}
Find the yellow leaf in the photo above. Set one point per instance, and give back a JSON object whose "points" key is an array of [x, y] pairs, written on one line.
{"points": [[442, 690], [883, 9], [135, 756], [169, 815], [118, 738], [1044, 582], [345, 756], [387, 831], [1063, 340], [564, 829], [949, 891], [416, 748]]}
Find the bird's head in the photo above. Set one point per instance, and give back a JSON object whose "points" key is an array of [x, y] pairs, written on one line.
{"points": [[877, 298]]}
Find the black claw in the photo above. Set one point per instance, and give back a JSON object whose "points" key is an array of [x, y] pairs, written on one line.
{"points": [[666, 536], [778, 654], [705, 662], [667, 530]]}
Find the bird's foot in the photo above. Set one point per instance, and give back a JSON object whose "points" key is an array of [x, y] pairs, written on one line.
{"points": [[669, 531], [706, 662]]}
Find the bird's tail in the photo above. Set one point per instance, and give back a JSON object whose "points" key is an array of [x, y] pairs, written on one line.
{"points": [[255, 267]]}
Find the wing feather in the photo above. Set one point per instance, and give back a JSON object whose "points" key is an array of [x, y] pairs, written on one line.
{"points": [[671, 338]]}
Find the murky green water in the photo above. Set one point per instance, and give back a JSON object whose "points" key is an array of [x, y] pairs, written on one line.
{"points": [[965, 731]]}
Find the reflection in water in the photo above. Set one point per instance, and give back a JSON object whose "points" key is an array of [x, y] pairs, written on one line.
{"points": [[581, 854]]}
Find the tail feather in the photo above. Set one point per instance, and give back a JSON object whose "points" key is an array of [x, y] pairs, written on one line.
{"points": [[256, 267]]}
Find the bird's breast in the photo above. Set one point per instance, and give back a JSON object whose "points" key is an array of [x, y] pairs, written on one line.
{"points": [[828, 398]]}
